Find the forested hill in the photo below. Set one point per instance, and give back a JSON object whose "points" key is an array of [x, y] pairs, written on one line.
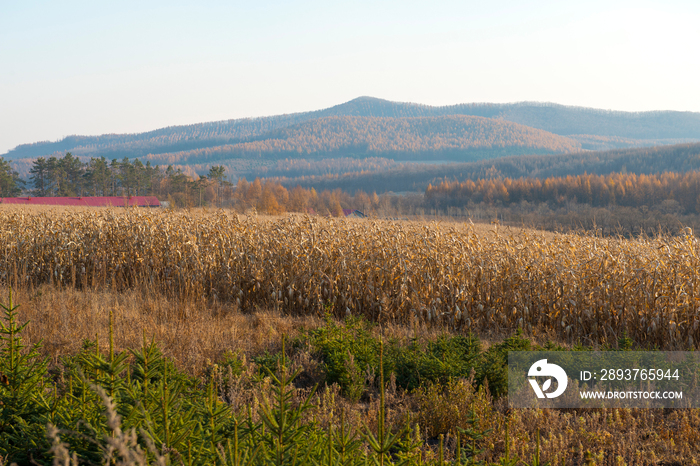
{"points": [[681, 158], [172, 138], [454, 137], [593, 129], [557, 119]]}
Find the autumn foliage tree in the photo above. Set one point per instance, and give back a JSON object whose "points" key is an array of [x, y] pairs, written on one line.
{"points": [[623, 189], [270, 197]]}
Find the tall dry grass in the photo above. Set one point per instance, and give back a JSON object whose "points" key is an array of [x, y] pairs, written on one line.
{"points": [[195, 334]]}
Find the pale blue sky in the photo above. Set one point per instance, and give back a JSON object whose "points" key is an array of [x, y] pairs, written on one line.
{"points": [[74, 67]]}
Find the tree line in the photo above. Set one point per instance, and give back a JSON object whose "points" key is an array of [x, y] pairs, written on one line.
{"points": [[652, 199], [68, 176], [623, 189], [270, 197], [10, 183], [406, 176]]}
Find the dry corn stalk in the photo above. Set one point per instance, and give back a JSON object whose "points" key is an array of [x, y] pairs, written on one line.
{"points": [[581, 288]]}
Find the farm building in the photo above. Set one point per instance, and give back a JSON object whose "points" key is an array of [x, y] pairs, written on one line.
{"points": [[351, 213], [113, 201]]}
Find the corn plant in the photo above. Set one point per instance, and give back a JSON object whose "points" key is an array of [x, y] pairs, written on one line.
{"points": [[580, 288]]}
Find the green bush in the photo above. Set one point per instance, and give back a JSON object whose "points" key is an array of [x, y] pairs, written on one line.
{"points": [[25, 406], [437, 361], [348, 351], [350, 356], [493, 365], [268, 363]]}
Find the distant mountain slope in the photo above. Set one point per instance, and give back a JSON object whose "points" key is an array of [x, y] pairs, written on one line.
{"points": [[557, 119], [680, 158], [595, 129], [566, 121], [598, 143], [454, 137], [172, 138]]}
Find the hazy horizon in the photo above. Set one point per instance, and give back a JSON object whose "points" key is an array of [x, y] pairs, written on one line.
{"points": [[87, 69]]}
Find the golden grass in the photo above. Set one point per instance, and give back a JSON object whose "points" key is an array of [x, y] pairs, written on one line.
{"points": [[193, 333]]}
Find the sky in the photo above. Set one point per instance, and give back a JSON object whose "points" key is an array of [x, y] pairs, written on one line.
{"points": [[96, 67]]}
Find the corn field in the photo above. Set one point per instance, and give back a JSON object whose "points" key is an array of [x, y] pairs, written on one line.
{"points": [[576, 288]]}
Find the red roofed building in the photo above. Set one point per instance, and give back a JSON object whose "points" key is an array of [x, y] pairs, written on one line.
{"points": [[114, 201]]}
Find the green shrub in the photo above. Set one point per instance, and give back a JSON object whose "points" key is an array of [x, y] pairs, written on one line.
{"points": [[348, 351], [25, 407], [493, 366], [436, 361], [268, 363]]}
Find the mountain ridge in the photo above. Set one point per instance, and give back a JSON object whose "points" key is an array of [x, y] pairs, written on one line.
{"points": [[401, 138], [659, 126]]}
